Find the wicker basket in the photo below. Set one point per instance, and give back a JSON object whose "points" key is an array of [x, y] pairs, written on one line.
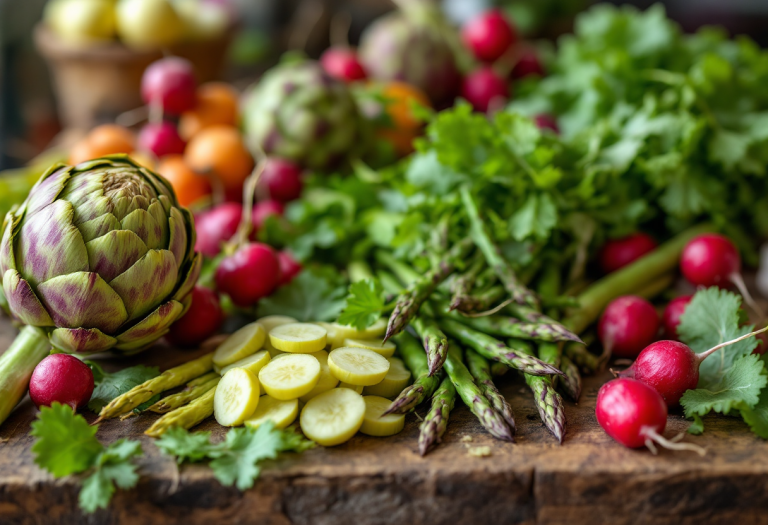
{"points": [[95, 84]]}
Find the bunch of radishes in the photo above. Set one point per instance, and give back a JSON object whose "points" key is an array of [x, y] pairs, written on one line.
{"points": [[633, 408], [493, 40]]}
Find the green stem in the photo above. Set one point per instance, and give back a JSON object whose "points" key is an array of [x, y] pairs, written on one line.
{"points": [[16, 365], [630, 278]]}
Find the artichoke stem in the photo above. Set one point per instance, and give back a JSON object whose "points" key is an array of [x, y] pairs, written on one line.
{"points": [[16, 365]]}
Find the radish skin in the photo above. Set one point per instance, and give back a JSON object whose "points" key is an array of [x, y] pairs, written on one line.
{"points": [[628, 324]]}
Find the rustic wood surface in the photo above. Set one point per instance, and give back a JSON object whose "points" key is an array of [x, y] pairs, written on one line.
{"points": [[588, 480]]}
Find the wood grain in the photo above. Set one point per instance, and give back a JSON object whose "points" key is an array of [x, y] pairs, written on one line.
{"points": [[588, 480]]}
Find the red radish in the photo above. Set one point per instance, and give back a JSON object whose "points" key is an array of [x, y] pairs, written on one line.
{"points": [[264, 209], [249, 274], [281, 179], [713, 260], [617, 253], [61, 378], [216, 226], [161, 138], [489, 35], [342, 63], [528, 64], [545, 121], [671, 316], [289, 267], [170, 84], [202, 320], [635, 415], [628, 324], [672, 367], [484, 89]]}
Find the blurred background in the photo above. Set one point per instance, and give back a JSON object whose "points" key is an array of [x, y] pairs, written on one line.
{"points": [[63, 68]]}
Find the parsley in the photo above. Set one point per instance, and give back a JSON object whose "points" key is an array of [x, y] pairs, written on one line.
{"points": [[732, 378], [66, 445], [235, 461], [113, 385], [365, 303], [316, 294]]}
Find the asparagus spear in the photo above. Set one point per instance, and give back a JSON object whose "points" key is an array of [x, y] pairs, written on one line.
{"points": [[423, 386], [629, 279], [572, 380], [185, 396], [436, 422], [549, 403], [434, 341], [481, 371], [585, 359], [479, 233], [410, 301], [167, 380], [185, 417], [505, 326], [202, 379], [498, 369], [461, 286], [496, 350], [473, 397], [533, 316], [481, 301]]}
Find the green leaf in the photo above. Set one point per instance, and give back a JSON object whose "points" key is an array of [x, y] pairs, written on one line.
{"points": [[535, 219], [697, 427], [314, 295], [65, 443], [114, 467], [365, 303], [757, 416], [113, 385], [185, 445], [712, 317], [739, 387]]}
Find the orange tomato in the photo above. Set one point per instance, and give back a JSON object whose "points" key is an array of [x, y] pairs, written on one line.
{"points": [[102, 140], [220, 150], [188, 185], [217, 103], [399, 98]]}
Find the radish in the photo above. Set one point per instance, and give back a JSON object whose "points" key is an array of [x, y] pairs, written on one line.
{"points": [[671, 367], [617, 253], [713, 260], [484, 89], [635, 415], [216, 226], [281, 179], [628, 324], [202, 320], [161, 138], [545, 121], [61, 378], [342, 63], [265, 209], [670, 319], [289, 267], [169, 83], [489, 35], [527, 64], [251, 273]]}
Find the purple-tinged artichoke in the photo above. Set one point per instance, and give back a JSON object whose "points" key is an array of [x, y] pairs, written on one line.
{"points": [[299, 112], [100, 256], [414, 45]]}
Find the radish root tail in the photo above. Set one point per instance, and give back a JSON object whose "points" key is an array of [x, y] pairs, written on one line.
{"points": [[653, 438], [738, 280]]}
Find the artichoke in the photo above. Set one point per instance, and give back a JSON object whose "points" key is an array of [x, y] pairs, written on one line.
{"points": [[99, 256], [298, 112], [414, 45]]}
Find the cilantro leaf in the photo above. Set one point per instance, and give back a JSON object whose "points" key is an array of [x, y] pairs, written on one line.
{"points": [[65, 443], [113, 385], [739, 387], [697, 427], [314, 295], [757, 416], [113, 467], [535, 219], [712, 317], [184, 445], [364, 304]]}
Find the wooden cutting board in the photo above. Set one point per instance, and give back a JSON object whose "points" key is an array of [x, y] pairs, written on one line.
{"points": [[588, 480]]}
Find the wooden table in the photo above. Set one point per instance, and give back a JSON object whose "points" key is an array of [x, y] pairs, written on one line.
{"points": [[588, 480]]}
